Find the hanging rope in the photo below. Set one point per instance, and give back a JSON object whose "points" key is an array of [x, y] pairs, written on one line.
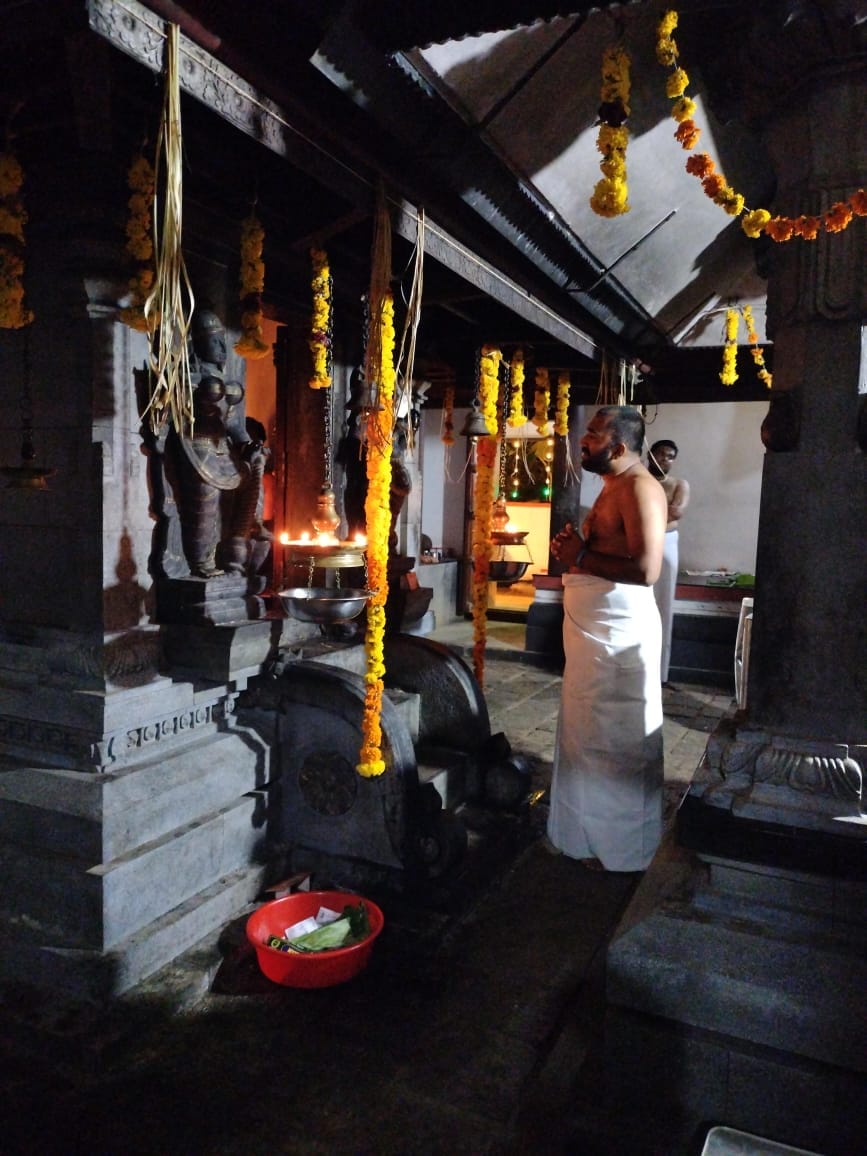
{"points": [[169, 309]]}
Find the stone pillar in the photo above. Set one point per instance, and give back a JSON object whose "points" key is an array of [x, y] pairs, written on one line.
{"points": [[803, 743], [739, 966]]}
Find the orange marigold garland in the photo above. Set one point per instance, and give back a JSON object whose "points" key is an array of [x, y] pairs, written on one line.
{"points": [[542, 399], [141, 181], [755, 349], [320, 326], [483, 502], [13, 218], [378, 521], [561, 413], [610, 197], [252, 344], [516, 396], [754, 221]]}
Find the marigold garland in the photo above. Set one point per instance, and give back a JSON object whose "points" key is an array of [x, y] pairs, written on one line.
{"points": [[561, 413], [755, 221], [141, 181], [542, 399], [13, 218], [755, 349], [517, 416], [252, 344], [448, 426], [483, 502], [320, 326], [610, 197], [729, 374], [378, 522], [489, 385]]}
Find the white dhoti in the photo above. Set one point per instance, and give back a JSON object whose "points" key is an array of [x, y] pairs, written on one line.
{"points": [[664, 592], [606, 790]]}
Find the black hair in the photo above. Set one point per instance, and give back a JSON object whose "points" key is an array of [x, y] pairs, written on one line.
{"points": [[665, 442], [626, 423]]}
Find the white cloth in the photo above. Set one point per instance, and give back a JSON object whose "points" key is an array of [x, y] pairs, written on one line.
{"points": [[606, 790], [664, 592]]}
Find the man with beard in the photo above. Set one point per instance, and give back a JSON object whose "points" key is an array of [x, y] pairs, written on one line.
{"points": [[659, 462], [606, 791]]}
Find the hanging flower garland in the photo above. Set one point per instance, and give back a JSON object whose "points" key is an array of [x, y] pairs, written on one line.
{"points": [[561, 414], [378, 522], [516, 397], [483, 503], [729, 373], [489, 385], [755, 221], [141, 181], [448, 426], [610, 197], [320, 326], [13, 218], [542, 400], [252, 344], [755, 349]]}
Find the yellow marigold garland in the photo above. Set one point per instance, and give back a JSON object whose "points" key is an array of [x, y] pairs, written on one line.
{"points": [[516, 397], [610, 197], [561, 413], [489, 385], [542, 399], [320, 326], [378, 521], [755, 221], [13, 218], [252, 344], [448, 434], [729, 374], [755, 349], [683, 108], [483, 501], [141, 180]]}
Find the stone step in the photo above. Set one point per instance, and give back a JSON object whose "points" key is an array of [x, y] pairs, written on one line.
{"points": [[65, 901], [94, 975], [100, 817]]}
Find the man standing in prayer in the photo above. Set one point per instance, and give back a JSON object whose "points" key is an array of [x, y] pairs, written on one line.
{"points": [[659, 461], [606, 790]]}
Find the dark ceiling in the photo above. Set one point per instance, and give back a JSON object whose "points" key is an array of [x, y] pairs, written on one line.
{"points": [[459, 109]]}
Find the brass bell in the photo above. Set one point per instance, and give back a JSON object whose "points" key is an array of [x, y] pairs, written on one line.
{"points": [[475, 425]]}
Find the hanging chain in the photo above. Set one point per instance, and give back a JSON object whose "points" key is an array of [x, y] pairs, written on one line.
{"points": [[327, 441], [310, 569]]}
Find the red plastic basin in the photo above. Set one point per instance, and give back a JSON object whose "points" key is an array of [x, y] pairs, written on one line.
{"points": [[310, 969]]}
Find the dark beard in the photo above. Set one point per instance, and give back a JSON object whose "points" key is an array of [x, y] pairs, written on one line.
{"points": [[598, 463]]}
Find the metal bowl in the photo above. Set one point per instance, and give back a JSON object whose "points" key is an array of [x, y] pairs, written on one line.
{"points": [[509, 537], [320, 605]]}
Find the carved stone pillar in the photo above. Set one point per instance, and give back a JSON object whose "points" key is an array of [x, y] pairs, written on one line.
{"points": [[807, 677]]}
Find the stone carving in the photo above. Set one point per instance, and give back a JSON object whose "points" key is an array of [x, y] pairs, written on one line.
{"points": [[206, 484], [758, 776]]}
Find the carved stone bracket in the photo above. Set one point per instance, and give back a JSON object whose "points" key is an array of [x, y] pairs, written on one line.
{"points": [[794, 781]]}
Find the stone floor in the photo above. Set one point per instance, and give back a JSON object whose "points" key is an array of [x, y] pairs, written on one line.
{"points": [[465, 1034]]}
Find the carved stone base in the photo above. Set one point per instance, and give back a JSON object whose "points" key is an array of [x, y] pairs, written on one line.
{"points": [[216, 601]]}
